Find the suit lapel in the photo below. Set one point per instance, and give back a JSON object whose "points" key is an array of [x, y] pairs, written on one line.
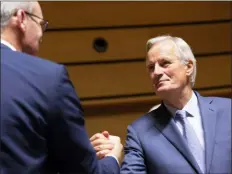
{"points": [[167, 127], [209, 119]]}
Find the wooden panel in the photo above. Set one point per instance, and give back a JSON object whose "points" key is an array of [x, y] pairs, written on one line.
{"points": [[132, 78], [214, 71], [116, 124], [95, 14], [139, 103], [76, 46]]}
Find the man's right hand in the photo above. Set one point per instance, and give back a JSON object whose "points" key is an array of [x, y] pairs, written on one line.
{"points": [[107, 145]]}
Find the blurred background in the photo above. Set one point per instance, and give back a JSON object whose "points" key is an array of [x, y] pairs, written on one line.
{"points": [[102, 45]]}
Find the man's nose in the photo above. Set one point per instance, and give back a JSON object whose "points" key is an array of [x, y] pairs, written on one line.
{"points": [[157, 70]]}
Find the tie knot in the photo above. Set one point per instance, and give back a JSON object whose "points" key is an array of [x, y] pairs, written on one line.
{"points": [[181, 114]]}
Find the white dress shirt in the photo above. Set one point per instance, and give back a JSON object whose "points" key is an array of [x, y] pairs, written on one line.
{"points": [[192, 108]]}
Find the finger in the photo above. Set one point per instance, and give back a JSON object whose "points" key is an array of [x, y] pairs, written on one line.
{"points": [[99, 142], [104, 147], [114, 139], [102, 153], [96, 136], [106, 134]]}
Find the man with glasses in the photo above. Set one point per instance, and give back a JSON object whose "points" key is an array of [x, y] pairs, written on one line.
{"points": [[42, 124]]}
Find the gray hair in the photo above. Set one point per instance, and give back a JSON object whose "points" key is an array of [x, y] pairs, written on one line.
{"points": [[9, 8], [184, 52]]}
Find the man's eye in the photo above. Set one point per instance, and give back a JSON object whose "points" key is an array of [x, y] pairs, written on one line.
{"points": [[164, 64], [150, 67]]}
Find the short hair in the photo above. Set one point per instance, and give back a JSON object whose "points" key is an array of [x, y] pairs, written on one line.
{"points": [[183, 49], [9, 8]]}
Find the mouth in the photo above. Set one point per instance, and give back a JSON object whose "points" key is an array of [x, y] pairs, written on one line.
{"points": [[157, 83]]}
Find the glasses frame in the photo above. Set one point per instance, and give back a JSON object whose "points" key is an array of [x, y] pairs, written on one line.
{"points": [[43, 23]]}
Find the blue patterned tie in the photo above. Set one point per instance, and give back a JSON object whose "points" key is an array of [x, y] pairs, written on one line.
{"points": [[191, 138]]}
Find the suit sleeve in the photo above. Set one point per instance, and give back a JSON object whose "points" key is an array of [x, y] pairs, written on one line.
{"points": [[134, 158], [69, 148]]}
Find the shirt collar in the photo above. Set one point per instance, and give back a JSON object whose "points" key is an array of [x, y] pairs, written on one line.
{"points": [[190, 107], [8, 45]]}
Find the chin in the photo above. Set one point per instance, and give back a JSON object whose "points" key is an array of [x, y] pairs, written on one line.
{"points": [[160, 92], [163, 90]]}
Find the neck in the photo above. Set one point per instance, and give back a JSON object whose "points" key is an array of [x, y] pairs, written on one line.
{"points": [[12, 38], [178, 99]]}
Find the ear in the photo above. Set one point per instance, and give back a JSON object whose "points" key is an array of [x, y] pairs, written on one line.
{"points": [[189, 68], [21, 20]]}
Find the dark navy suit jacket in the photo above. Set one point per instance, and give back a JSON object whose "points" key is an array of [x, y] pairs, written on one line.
{"points": [[154, 144], [42, 124]]}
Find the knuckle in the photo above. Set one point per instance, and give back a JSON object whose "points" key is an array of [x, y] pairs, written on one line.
{"points": [[118, 139], [97, 135]]}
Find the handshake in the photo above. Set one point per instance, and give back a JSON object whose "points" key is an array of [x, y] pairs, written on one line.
{"points": [[107, 145]]}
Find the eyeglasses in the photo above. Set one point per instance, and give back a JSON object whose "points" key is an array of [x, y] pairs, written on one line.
{"points": [[43, 23]]}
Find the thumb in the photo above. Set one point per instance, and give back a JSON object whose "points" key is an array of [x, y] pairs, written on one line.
{"points": [[106, 134]]}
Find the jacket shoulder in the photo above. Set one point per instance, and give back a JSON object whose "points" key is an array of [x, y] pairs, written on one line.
{"points": [[144, 122], [29, 63]]}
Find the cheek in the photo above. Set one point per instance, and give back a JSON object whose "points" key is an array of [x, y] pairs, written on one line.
{"points": [[36, 32], [151, 75], [168, 73]]}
